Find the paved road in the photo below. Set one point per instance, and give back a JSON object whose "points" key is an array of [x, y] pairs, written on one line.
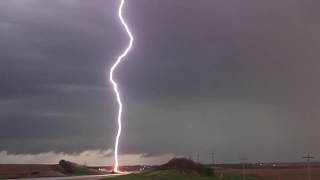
{"points": [[94, 177]]}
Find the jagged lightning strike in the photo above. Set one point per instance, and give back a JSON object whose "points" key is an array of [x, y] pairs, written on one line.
{"points": [[115, 85]]}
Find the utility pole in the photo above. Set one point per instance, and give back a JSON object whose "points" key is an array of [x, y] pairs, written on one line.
{"points": [[308, 158], [198, 158], [243, 160], [212, 158]]}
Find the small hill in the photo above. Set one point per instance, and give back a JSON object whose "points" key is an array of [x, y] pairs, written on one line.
{"points": [[186, 166], [175, 169], [71, 168]]}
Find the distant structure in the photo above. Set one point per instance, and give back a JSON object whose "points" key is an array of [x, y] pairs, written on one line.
{"points": [[308, 157], [212, 158], [198, 158], [244, 174]]}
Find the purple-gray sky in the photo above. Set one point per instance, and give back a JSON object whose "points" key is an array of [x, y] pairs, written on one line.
{"points": [[236, 77]]}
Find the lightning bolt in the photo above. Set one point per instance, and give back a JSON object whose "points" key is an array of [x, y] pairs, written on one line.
{"points": [[115, 85]]}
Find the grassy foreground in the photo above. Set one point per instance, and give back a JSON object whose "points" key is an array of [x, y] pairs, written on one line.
{"points": [[173, 177]]}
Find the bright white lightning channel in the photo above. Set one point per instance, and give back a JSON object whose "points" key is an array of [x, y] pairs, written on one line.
{"points": [[115, 85]]}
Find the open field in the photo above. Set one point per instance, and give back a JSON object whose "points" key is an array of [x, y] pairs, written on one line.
{"points": [[29, 170], [91, 177], [277, 173], [63, 169]]}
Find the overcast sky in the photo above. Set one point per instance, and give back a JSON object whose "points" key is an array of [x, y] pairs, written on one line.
{"points": [[239, 78]]}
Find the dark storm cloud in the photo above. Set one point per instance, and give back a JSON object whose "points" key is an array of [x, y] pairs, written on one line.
{"points": [[236, 77], [50, 67]]}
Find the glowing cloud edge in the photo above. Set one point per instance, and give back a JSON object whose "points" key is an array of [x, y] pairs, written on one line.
{"points": [[115, 85]]}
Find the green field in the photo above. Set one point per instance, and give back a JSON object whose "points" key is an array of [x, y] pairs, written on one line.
{"points": [[174, 177]]}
